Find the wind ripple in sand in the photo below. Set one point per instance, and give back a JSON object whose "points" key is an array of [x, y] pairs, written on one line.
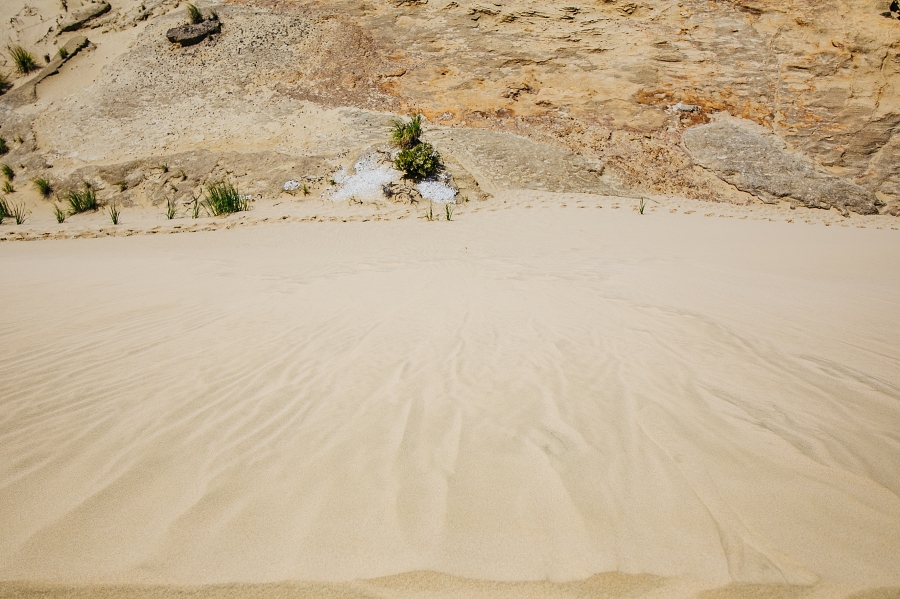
{"points": [[336, 406]]}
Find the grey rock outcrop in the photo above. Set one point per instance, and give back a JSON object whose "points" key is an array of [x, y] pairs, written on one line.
{"points": [[79, 18], [193, 33], [753, 163]]}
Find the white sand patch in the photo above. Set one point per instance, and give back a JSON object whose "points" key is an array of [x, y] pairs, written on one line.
{"points": [[437, 191], [366, 184]]}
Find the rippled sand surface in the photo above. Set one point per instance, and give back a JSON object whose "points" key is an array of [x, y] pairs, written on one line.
{"points": [[538, 395]]}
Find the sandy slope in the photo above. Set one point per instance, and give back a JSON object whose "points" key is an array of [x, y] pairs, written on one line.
{"points": [[538, 394]]}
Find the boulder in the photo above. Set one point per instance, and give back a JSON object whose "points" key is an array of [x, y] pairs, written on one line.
{"points": [[753, 162], [79, 18], [191, 33]]}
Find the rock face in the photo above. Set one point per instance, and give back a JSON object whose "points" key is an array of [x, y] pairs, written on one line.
{"points": [[81, 17], [752, 163], [193, 33]]}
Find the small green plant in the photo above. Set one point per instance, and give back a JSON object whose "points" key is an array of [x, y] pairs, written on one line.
{"points": [[642, 205], [194, 14], [122, 185], [43, 186], [171, 208], [195, 208], [429, 212], [3, 147], [59, 213], [419, 162], [332, 181], [164, 167], [405, 135], [182, 174], [448, 211], [7, 172], [114, 213], [17, 211], [223, 198], [4, 210], [305, 190], [8, 187], [63, 53], [81, 201], [25, 61]]}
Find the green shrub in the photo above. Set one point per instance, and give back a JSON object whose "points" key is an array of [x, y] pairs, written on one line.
{"points": [[406, 135], [43, 185], [81, 201], [7, 172], [25, 61], [223, 198], [63, 53], [419, 162]]}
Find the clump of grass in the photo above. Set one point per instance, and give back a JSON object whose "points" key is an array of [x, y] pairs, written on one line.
{"points": [[405, 135], [171, 208], [223, 198], [17, 211], [122, 185], [8, 187], [195, 208], [164, 167], [3, 147], [419, 162], [7, 172], [448, 211], [63, 53], [4, 210], [194, 14], [114, 213], [429, 213], [81, 201], [59, 213], [25, 61], [642, 205], [305, 189], [43, 186]]}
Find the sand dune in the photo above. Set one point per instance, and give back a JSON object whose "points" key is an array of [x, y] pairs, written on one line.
{"points": [[533, 395]]}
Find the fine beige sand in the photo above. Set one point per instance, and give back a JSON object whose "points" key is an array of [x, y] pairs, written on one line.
{"points": [[541, 402]]}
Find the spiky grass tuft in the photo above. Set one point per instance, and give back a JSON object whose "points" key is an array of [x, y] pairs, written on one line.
{"points": [[63, 53], [223, 198], [43, 186], [405, 135], [81, 201], [171, 208], [59, 213], [7, 172], [17, 211], [114, 213], [448, 211], [194, 14], [25, 60], [4, 210], [4, 149], [8, 187]]}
